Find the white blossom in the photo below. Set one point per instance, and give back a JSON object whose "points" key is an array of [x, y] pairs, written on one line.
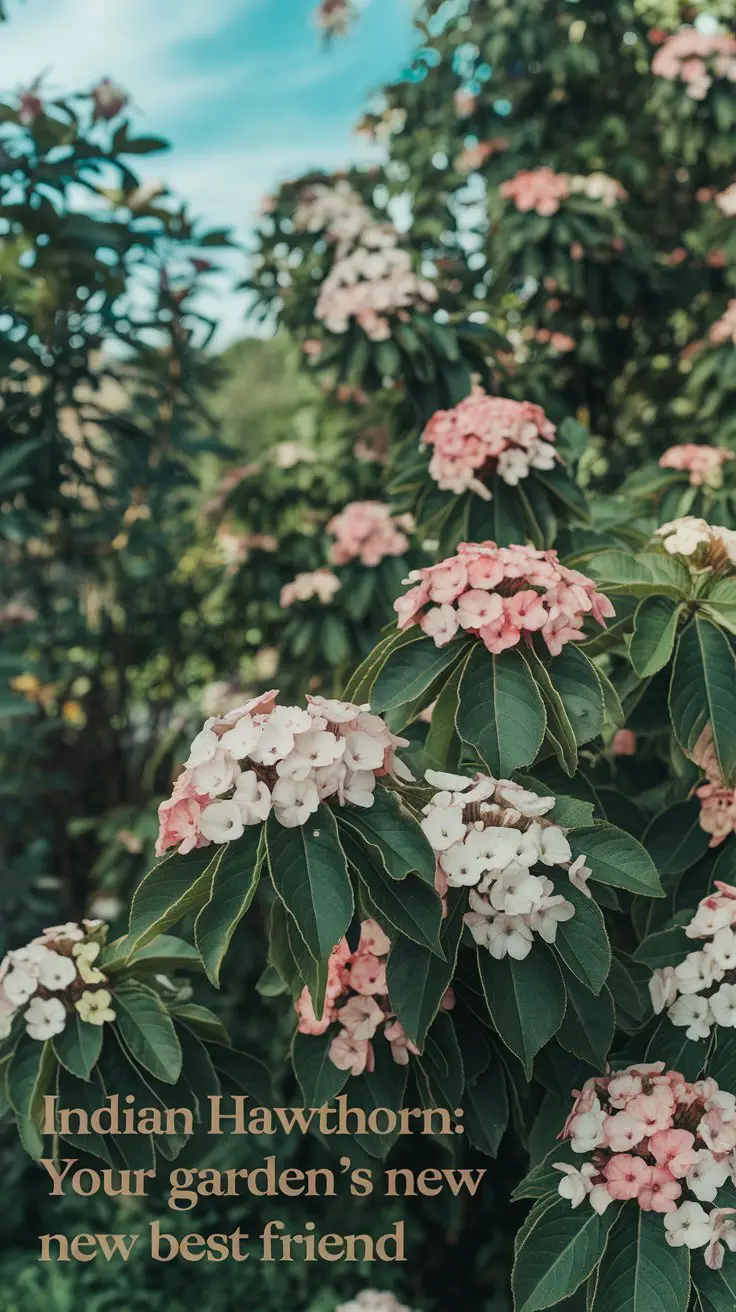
{"points": [[691, 1011], [689, 1225], [45, 1017], [221, 821], [575, 1184], [56, 972], [723, 1005], [707, 1175], [509, 935], [294, 800], [252, 798]]}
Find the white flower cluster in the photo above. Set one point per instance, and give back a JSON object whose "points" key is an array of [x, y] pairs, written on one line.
{"points": [[488, 835], [53, 976], [371, 1300], [700, 992], [263, 757], [372, 275], [686, 536]]}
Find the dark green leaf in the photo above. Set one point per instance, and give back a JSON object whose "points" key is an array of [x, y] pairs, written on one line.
{"points": [[525, 999], [79, 1045], [234, 883], [640, 1272], [703, 692], [309, 873], [501, 713], [653, 639], [147, 1030], [558, 1248], [615, 858]]}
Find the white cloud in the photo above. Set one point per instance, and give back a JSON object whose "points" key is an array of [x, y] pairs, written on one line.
{"points": [[136, 42]]}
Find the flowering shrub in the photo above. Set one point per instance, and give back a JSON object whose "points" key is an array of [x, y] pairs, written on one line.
{"points": [[53, 976], [499, 595], [661, 1142], [489, 835], [703, 464], [263, 758], [485, 435], [368, 532]]}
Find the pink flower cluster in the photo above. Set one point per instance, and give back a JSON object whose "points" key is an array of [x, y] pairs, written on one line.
{"points": [[262, 757], [699, 992], [501, 594], [540, 190], [320, 583], [357, 1000], [696, 58], [724, 329], [486, 435], [717, 800], [704, 464], [368, 532], [654, 1138]]}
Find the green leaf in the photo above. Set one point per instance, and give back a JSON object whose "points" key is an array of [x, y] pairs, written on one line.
{"points": [[653, 639], [587, 1030], [391, 834], [203, 1021], [501, 713], [412, 907], [234, 883], [384, 1086], [148, 1031], [577, 684], [560, 732], [651, 573], [675, 840], [30, 1076], [442, 743], [418, 979], [719, 603], [360, 687], [486, 1107], [411, 670], [280, 955], [525, 999], [703, 691], [667, 948], [716, 1288], [442, 1062], [164, 953], [309, 873], [640, 1272], [79, 1045], [246, 1072], [616, 858], [582, 942], [319, 1080], [557, 1250], [88, 1096], [178, 884]]}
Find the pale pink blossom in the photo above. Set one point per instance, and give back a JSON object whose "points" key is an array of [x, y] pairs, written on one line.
{"points": [[319, 583], [703, 464]]}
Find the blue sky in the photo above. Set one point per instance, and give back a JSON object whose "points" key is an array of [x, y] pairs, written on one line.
{"points": [[243, 89]]}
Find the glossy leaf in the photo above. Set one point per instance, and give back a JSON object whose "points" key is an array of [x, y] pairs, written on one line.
{"points": [[501, 713]]}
